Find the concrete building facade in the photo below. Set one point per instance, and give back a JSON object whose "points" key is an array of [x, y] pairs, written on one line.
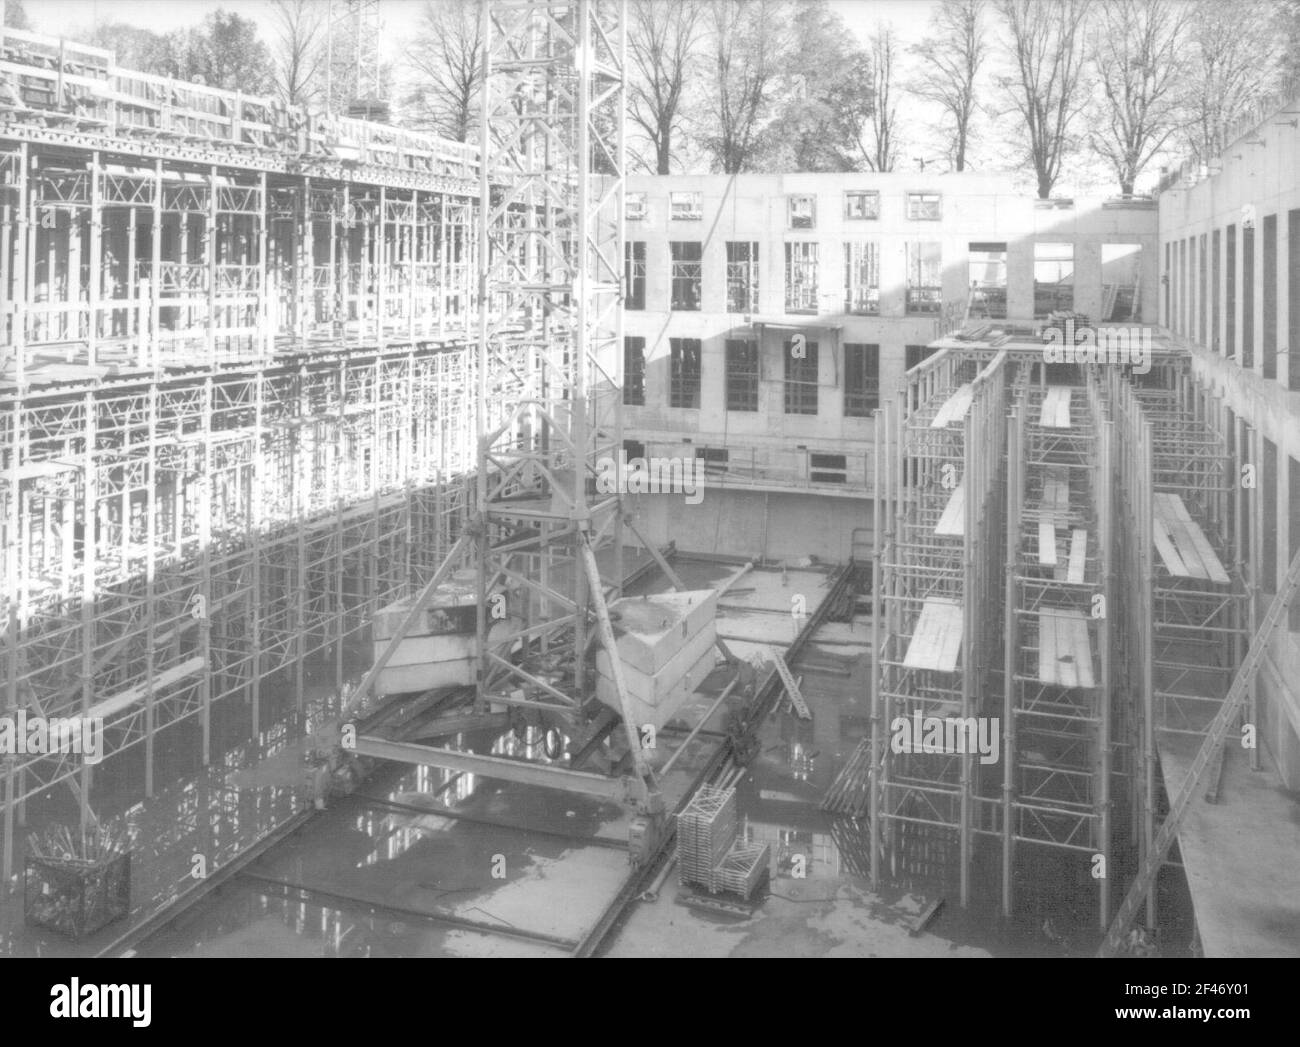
{"points": [[767, 315], [1230, 292]]}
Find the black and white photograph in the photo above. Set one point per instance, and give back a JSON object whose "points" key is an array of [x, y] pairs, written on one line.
{"points": [[674, 479]]}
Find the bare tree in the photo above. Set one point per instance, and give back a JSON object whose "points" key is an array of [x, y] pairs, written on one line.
{"points": [[446, 59], [1046, 45], [950, 62], [298, 49], [748, 42], [878, 140], [1135, 46], [663, 45], [1231, 61]]}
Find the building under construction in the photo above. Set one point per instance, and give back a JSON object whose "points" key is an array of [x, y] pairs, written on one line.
{"points": [[400, 514]]}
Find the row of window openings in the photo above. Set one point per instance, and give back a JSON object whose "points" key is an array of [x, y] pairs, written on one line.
{"points": [[823, 467], [1194, 262], [800, 387], [801, 208], [1053, 277]]}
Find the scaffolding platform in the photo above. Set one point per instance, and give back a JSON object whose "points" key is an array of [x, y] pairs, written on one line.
{"points": [[1182, 544], [936, 642], [1064, 649], [955, 408], [1056, 408], [952, 524]]}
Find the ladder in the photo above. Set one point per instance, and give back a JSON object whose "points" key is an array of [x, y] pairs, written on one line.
{"points": [[791, 687], [1211, 752]]}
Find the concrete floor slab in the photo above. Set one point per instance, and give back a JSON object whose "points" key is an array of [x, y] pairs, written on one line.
{"points": [[1239, 854]]}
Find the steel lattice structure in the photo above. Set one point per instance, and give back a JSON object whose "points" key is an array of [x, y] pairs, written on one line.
{"points": [[551, 213]]}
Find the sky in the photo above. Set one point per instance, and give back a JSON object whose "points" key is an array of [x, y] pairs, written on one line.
{"points": [[399, 16], [400, 20]]}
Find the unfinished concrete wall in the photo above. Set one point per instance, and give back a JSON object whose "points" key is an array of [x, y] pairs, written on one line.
{"points": [[764, 524], [1246, 349], [972, 209]]}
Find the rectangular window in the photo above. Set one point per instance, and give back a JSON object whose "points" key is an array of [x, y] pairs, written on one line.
{"points": [[803, 211], [686, 275], [1230, 306], [634, 207], [1202, 302], [686, 207], [987, 274], [1269, 482], [801, 378], [1215, 343], [742, 277], [828, 468], [914, 354], [1269, 334], [862, 278], [1247, 297], [1168, 281], [1053, 279], [861, 204], [684, 389], [634, 273], [715, 459], [924, 207], [801, 277], [1293, 529], [1245, 454], [1293, 302], [742, 374], [924, 278], [1183, 311], [633, 371], [861, 379]]}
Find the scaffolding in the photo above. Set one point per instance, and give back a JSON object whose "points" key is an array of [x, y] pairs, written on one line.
{"points": [[940, 457], [1096, 643], [1057, 650], [1184, 613], [551, 246], [236, 396]]}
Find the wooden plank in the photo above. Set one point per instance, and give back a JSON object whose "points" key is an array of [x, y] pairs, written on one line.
{"points": [[1208, 557], [1063, 408], [954, 408], [936, 641], [1064, 648], [923, 918], [1175, 529], [1055, 413], [1048, 670], [953, 521], [1078, 556], [1046, 544], [1173, 562]]}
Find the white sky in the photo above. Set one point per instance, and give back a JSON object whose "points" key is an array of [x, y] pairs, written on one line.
{"points": [[399, 16]]}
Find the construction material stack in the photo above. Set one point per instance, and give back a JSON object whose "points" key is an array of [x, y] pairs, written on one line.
{"points": [[710, 853]]}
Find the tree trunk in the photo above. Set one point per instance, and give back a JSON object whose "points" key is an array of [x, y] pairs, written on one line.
{"points": [[665, 153]]}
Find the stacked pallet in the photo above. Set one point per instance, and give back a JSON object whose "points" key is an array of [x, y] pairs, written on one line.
{"points": [[743, 869], [706, 832]]}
